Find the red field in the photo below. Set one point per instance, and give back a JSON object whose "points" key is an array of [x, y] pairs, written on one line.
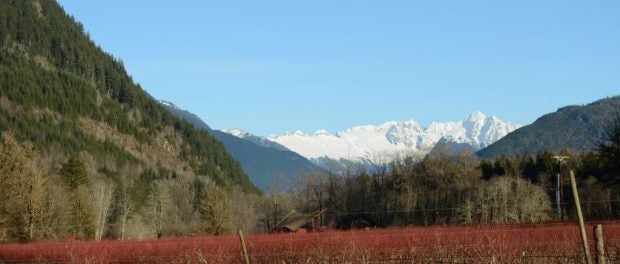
{"points": [[545, 243]]}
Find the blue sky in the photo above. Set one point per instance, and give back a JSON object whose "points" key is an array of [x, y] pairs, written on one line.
{"points": [[275, 66]]}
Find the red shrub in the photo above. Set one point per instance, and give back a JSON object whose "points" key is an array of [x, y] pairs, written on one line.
{"points": [[544, 243]]}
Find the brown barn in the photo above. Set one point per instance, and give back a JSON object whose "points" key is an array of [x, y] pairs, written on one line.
{"points": [[298, 222]]}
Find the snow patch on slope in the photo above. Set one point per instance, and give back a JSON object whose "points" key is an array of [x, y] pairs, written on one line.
{"points": [[237, 133]]}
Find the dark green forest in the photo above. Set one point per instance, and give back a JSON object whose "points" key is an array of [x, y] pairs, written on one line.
{"points": [[66, 102], [49, 68]]}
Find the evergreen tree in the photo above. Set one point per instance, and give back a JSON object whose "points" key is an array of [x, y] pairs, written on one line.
{"points": [[609, 152], [74, 173], [528, 169], [487, 169], [81, 211]]}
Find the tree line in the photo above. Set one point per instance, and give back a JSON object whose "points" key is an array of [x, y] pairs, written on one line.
{"points": [[443, 188], [45, 199]]}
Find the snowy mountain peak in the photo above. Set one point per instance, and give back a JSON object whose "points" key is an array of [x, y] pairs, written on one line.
{"points": [[237, 132], [369, 142], [321, 132], [476, 117], [405, 133], [261, 141], [296, 133]]}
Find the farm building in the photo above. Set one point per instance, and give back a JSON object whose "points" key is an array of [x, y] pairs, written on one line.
{"points": [[299, 222], [357, 221]]}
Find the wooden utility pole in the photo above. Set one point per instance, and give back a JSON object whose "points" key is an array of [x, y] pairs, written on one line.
{"points": [[559, 193], [244, 251], [582, 228], [599, 244]]}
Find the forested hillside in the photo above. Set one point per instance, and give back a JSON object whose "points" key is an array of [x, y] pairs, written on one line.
{"points": [[577, 128], [63, 100], [269, 165]]}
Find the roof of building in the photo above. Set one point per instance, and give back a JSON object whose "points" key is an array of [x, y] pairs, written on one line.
{"points": [[295, 220]]}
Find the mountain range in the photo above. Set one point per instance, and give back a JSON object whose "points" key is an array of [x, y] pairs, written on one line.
{"points": [[577, 128], [281, 160], [372, 144], [268, 164], [67, 96], [574, 128]]}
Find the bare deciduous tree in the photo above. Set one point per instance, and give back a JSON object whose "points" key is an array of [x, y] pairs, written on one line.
{"points": [[102, 199], [22, 192]]}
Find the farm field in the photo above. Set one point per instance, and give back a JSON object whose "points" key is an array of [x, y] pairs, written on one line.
{"points": [[539, 243]]}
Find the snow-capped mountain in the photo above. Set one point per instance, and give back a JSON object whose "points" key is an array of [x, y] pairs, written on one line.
{"points": [[261, 141], [374, 144], [237, 132]]}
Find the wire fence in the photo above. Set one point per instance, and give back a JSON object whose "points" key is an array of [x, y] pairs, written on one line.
{"points": [[388, 212]]}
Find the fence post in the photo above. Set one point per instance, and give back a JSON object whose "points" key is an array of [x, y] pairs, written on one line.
{"points": [[582, 228], [599, 243], [244, 251]]}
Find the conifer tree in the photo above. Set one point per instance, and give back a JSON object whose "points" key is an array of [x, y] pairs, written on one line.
{"points": [[81, 216], [74, 173], [609, 151]]}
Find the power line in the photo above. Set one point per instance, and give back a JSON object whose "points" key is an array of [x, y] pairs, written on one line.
{"points": [[362, 212]]}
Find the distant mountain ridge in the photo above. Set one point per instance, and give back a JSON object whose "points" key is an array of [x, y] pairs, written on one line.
{"points": [[268, 164], [261, 141], [371, 144], [576, 128], [188, 116]]}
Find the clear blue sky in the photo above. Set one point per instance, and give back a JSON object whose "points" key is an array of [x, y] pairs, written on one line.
{"points": [[275, 66]]}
